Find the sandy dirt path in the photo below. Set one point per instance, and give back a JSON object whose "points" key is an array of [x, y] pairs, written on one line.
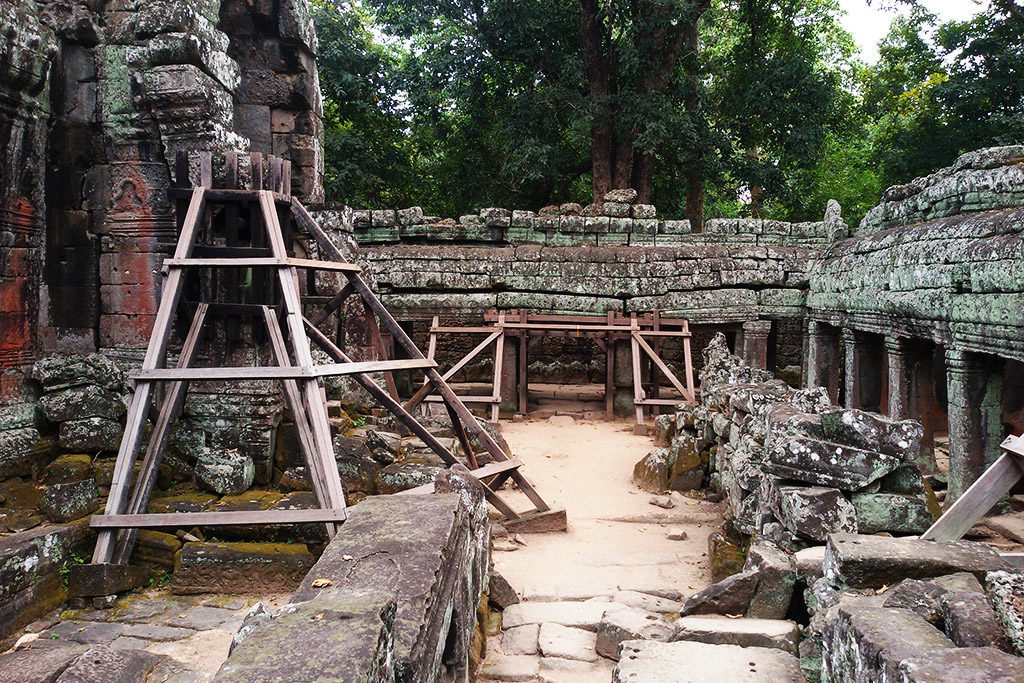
{"points": [[586, 467]]}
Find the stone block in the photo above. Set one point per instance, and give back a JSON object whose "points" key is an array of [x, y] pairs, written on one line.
{"points": [[567, 642], [61, 371], [512, 668], [644, 211], [730, 596], [500, 592], [22, 450], [970, 621], [776, 579], [828, 464], [691, 662], [873, 432], [653, 471], [227, 472], [351, 636], [68, 468], [90, 434], [521, 640], [891, 512], [862, 561], [432, 552], [717, 630], [814, 512], [622, 196], [1006, 593], [71, 500], [90, 580], [868, 643], [240, 567], [963, 665], [75, 403], [401, 476], [584, 615], [920, 597], [631, 623], [411, 216]]}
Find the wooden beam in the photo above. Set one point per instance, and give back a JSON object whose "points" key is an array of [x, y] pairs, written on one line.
{"points": [[275, 372], [638, 391], [661, 365], [334, 304], [260, 262], [425, 390], [222, 518], [480, 473], [978, 499]]}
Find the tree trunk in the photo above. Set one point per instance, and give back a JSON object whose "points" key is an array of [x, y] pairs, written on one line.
{"points": [[643, 174], [597, 79], [695, 199], [694, 106]]}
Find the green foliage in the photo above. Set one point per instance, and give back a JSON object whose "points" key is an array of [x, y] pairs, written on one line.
{"points": [[455, 105], [65, 569]]}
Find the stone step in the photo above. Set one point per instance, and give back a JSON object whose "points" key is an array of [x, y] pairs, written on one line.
{"points": [[714, 630], [584, 615], [689, 662]]}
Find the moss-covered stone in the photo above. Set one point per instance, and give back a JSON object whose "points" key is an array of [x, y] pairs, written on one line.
{"points": [[72, 467], [71, 500]]}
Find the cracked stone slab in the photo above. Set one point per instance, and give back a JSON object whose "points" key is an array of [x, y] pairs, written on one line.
{"points": [[779, 634], [521, 640], [585, 615], [512, 668]]}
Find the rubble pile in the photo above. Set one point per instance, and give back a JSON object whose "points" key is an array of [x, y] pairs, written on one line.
{"points": [[821, 493], [791, 467]]}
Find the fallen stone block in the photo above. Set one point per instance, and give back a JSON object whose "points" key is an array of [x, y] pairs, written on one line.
{"points": [[90, 434], [969, 620], [873, 432], [828, 464], [227, 472], [80, 402], [814, 512], [61, 371], [1006, 593], [809, 563], [22, 450], [400, 476], [862, 561], [892, 512], [730, 596], [73, 500], [567, 642], [91, 580], [690, 662], [716, 630], [964, 665], [866, 643], [240, 567], [653, 471], [521, 640], [68, 468], [776, 574], [920, 597], [500, 592], [350, 636], [38, 663], [629, 624]]}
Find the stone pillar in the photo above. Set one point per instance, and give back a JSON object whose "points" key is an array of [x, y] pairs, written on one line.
{"points": [[922, 403], [975, 387], [851, 368], [509, 380], [623, 378], [899, 378], [754, 349], [822, 362]]}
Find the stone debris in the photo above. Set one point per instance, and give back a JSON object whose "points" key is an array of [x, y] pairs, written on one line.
{"points": [[1006, 593]]}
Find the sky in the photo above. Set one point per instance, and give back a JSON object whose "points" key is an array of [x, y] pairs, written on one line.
{"points": [[869, 24]]}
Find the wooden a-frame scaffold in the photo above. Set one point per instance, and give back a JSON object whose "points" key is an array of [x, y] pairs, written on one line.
{"points": [[231, 230]]}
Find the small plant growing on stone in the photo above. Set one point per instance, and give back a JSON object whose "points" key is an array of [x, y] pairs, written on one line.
{"points": [[65, 571]]}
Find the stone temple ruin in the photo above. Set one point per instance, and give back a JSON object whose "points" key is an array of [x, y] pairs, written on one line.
{"points": [[845, 478]]}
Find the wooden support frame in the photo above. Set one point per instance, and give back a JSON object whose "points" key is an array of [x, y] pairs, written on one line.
{"points": [[605, 330]]}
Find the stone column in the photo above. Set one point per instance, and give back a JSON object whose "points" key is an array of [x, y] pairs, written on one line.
{"points": [[822, 363], [623, 377], [975, 387], [754, 348], [509, 380], [899, 377], [851, 369]]}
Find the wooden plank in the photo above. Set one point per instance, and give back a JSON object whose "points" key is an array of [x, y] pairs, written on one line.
{"points": [[638, 391], [424, 391], [293, 397], [1016, 559], [465, 398], [161, 434], [286, 177], [499, 362], [688, 360], [274, 173], [156, 351], [223, 518], [380, 349], [447, 329], [480, 473], [334, 304], [523, 385], [661, 401], [609, 372], [254, 262], [316, 404], [663, 333], [661, 365], [275, 372], [977, 500], [396, 409], [206, 169], [256, 168]]}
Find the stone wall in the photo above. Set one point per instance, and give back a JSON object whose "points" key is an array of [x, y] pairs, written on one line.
{"points": [[95, 102]]}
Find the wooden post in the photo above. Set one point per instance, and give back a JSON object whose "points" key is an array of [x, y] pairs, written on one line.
{"points": [[638, 391]]}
